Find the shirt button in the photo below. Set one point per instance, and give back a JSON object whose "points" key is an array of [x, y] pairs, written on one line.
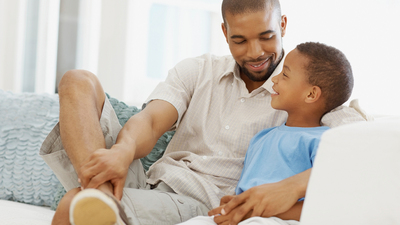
{"points": [[219, 153], [242, 100], [227, 127], [180, 201], [263, 94], [232, 84], [204, 157]]}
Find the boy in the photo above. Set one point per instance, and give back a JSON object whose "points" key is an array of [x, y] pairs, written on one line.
{"points": [[315, 79]]}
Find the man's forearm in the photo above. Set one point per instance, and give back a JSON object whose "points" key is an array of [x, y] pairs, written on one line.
{"points": [[293, 213], [299, 183], [136, 137], [141, 132]]}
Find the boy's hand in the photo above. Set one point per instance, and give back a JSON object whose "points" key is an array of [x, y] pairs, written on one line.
{"points": [[224, 200], [264, 200], [228, 219]]}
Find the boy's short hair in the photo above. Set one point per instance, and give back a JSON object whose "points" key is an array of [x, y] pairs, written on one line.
{"points": [[329, 69], [236, 7]]}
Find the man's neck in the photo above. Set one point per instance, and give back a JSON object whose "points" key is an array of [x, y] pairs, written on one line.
{"points": [[251, 85]]}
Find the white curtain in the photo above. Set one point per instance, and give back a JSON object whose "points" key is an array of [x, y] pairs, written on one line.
{"points": [[131, 44]]}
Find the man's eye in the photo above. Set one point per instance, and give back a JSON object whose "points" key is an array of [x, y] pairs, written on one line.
{"points": [[266, 38], [239, 42]]}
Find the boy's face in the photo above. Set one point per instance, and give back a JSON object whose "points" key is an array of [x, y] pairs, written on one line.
{"points": [[255, 41], [291, 85]]}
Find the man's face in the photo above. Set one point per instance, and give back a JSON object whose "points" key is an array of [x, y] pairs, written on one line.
{"points": [[255, 41]]}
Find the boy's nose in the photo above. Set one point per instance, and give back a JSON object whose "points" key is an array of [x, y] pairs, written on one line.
{"points": [[274, 79]]}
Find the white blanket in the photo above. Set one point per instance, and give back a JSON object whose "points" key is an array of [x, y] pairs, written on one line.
{"points": [[207, 220], [15, 213]]}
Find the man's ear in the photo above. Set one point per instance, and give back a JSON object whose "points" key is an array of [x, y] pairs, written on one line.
{"points": [[283, 25], [314, 94], [225, 30]]}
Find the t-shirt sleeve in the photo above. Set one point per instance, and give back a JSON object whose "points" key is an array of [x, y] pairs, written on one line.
{"points": [[314, 148]]}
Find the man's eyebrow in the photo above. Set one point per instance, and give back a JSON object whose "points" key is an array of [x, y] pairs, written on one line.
{"points": [[261, 34], [267, 32], [237, 36]]}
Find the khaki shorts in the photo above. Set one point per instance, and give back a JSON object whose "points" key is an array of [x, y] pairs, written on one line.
{"points": [[142, 204]]}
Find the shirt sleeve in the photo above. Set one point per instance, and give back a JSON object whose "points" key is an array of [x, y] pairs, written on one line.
{"points": [[179, 86]]}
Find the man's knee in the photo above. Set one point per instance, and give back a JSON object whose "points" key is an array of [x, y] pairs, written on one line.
{"points": [[77, 80], [80, 85]]}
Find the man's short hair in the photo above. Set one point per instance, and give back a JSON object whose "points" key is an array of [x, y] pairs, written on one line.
{"points": [[236, 7], [329, 69]]}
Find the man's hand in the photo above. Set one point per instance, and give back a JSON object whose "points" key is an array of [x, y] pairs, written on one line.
{"points": [[106, 165], [264, 200]]}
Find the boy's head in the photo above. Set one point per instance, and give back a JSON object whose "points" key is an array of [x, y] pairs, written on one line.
{"points": [[313, 73]]}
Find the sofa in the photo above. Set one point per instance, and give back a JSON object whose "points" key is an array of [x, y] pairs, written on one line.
{"points": [[355, 179]]}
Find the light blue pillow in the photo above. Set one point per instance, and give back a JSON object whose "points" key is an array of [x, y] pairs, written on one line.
{"points": [[25, 121]]}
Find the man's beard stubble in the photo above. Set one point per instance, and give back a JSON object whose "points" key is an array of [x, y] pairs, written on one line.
{"points": [[267, 73]]}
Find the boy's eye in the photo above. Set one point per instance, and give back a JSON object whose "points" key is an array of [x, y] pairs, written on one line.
{"points": [[284, 75]]}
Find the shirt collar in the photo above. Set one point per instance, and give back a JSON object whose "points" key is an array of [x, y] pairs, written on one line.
{"points": [[231, 69], [268, 84]]}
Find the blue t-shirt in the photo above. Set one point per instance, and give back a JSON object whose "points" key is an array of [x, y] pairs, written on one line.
{"points": [[277, 153]]}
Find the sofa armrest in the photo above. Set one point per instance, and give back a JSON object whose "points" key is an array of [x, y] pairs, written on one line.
{"points": [[356, 176]]}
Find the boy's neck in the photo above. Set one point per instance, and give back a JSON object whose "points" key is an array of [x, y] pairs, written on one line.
{"points": [[295, 120]]}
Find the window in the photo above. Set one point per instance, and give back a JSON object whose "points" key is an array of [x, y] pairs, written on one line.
{"points": [[131, 44]]}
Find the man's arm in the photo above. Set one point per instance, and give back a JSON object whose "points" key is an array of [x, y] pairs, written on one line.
{"points": [[142, 131], [270, 199], [135, 140]]}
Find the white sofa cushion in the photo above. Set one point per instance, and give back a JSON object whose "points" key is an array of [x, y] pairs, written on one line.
{"points": [[356, 176]]}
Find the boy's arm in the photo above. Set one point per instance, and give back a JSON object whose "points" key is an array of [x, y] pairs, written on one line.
{"points": [[269, 199]]}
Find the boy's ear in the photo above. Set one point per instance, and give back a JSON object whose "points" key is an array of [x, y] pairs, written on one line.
{"points": [[314, 94]]}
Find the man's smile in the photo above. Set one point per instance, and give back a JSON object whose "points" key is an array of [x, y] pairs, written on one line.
{"points": [[258, 66]]}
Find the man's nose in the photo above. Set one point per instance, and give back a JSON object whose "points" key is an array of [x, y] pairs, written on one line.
{"points": [[255, 50]]}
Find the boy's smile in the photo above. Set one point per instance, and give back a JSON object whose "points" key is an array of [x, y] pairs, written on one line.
{"points": [[291, 86]]}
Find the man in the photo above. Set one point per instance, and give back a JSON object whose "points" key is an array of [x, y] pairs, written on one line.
{"points": [[216, 105]]}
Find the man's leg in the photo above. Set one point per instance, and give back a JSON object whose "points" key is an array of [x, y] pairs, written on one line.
{"points": [[61, 216], [81, 103]]}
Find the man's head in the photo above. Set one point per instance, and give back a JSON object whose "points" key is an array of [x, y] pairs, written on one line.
{"points": [[254, 31], [313, 73], [236, 7]]}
